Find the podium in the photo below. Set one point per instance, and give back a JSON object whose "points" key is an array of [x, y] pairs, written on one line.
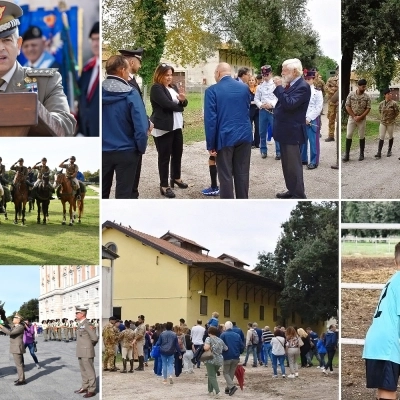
{"points": [[21, 114]]}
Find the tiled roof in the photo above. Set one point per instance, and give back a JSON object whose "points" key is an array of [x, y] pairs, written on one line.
{"points": [[232, 258], [182, 239]]}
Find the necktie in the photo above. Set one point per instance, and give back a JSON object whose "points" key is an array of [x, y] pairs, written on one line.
{"points": [[287, 86], [1, 84], [92, 88]]}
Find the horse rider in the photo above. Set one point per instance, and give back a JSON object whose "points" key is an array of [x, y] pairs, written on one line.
{"points": [[71, 171], [42, 169], [19, 168], [3, 181]]}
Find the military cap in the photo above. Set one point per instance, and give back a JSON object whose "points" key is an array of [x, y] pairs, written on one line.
{"points": [[18, 316], [44, 159], [21, 160], [72, 158], [33, 32], [386, 91], [308, 74], [137, 53], [141, 317], [9, 14], [362, 82], [112, 318], [81, 308], [265, 70], [95, 29]]}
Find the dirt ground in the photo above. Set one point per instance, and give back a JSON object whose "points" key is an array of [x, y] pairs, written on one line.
{"points": [[266, 177], [358, 307], [310, 384]]}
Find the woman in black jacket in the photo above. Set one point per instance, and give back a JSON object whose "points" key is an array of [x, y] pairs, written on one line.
{"points": [[168, 104]]}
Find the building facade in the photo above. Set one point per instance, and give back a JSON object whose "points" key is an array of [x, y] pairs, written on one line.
{"points": [[62, 287]]}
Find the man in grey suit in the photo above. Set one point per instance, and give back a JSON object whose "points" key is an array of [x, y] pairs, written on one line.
{"points": [[85, 342], [17, 79], [17, 348]]}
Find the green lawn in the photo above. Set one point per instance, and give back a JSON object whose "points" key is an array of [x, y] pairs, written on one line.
{"points": [[91, 192], [369, 249], [52, 244]]}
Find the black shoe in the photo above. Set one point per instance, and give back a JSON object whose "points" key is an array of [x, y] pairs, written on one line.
{"points": [[277, 158], [181, 184], [304, 162], [312, 166], [226, 390], [378, 155], [361, 157], [284, 195], [389, 153], [263, 155], [168, 192], [232, 391], [19, 383], [330, 139]]}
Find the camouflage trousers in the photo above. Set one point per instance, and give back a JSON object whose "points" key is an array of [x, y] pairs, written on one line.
{"points": [[109, 354], [332, 111]]}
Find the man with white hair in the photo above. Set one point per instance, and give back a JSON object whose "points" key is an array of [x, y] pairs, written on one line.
{"points": [[290, 128], [231, 356]]}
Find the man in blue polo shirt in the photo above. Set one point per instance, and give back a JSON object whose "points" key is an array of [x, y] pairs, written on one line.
{"points": [[382, 343]]}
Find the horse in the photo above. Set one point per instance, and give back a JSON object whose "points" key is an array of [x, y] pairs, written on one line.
{"points": [[43, 194], [67, 195], [20, 196], [6, 197]]}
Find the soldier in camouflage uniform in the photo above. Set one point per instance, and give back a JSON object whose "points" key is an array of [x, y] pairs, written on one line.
{"points": [[318, 82], [110, 338], [358, 105], [18, 168], [140, 333], [43, 169], [71, 171], [126, 338], [331, 87]]}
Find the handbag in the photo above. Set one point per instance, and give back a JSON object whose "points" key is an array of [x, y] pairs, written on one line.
{"points": [[207, 355], [155, 351]]}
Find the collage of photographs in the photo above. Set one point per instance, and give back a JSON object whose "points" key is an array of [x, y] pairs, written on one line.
{"points": [[291, 109]]}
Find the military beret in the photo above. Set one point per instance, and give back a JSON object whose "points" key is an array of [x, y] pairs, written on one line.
{"points": [[386, 91], [72, 158], [137, 53], [265, 70], [362, 82], [95, 29], [141, 317], [44, 159], [33, 32], [112, 318], [309, 74], [21, 159], [9, 14]]}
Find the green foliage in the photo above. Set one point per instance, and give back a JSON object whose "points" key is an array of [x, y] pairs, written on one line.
{"points": [[325, 65], [268, 267], [30, 310]]}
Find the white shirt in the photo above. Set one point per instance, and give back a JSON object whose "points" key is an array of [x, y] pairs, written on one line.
{"points": [[265, 94], [197, 334], [315, 105], [7, 77]]}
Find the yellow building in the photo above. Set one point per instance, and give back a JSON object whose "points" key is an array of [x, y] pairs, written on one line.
{"points": [[172, 277]]}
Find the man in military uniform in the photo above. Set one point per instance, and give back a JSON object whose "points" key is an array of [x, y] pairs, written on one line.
{"points": [[86, 340], [110, 339], [71, 171], [331, 87], [17, 348], [33, 48], [140, 333], [358, 105], [18, 168], [126, 339], [42, 169], [17, 79]]}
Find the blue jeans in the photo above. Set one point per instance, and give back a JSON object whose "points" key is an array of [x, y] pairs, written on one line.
{"points": [[312, 137], [146, 353], [267, 350], [167, 365], [322, 363], [266, 120], [252, 348], [281, 360], [31, 348]]}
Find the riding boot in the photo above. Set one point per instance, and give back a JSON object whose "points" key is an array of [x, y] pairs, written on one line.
{"points": [[124, 364], [389, 153], [78, 194], [346, 156], [131, 364], [380, 145], [362, 147], [141, 366]]}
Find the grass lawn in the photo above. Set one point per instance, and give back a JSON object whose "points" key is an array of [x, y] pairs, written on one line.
{"points": [[370, 249], [91, 192], [52, 244]]}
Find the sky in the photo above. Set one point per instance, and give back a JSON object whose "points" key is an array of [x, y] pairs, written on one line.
{"points": [[56, 150], [325, 16], [19, 284], [238, 228]]}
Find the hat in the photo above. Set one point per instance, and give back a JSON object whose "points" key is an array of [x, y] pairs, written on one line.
{"points": [[18, 316], [72, 158], [386, 91], [21, 159], [80, 308], [137, 53], [265, 70], [141, 317], [362, 82], [33, 32], [112, 318], [44, 159], [309, 74], [9, 12], [95, 29]]}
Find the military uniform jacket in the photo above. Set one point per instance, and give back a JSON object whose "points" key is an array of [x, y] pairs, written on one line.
{"points": [[140, 333], [359, 103], [2, 170], [332, 85], [389, 111], [110, 334], [50, 93], [86, 339], [43, 169], [16, 334], [23, 169]]}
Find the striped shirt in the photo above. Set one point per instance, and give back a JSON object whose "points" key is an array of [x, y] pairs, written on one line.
{"points": [[267, 336]]}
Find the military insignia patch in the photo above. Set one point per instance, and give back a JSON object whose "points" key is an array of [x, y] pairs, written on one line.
{"points": [[2, 11], [27, 79], [41, 72]]}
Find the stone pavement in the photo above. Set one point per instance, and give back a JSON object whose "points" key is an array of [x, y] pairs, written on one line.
{"points": [[57, 378]]}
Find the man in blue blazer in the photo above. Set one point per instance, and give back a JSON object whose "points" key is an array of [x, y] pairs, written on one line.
{"points": [[290, 125], [228, 131]]}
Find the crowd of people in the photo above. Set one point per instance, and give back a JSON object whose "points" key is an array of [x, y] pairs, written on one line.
{"points": [[239, 114], [178, 349]]}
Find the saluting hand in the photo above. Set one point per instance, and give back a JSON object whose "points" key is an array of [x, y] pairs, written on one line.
{"points": [[66, 159]]}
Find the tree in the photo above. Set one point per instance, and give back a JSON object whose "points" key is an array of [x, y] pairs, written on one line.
{"points": [[268, 267], [30, 309], [325, 65]]}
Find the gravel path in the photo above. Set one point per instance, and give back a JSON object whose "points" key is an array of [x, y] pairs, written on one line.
{"points": [[266, 178]]}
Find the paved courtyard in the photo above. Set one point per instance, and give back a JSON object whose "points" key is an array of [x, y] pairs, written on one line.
{"points": [[57, 378]]}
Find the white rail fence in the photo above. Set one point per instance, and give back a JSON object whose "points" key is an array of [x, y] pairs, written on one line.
{"points": [[365, 286]]}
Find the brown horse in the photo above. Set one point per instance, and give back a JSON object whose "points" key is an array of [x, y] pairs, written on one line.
{"points": [[67, 195], [20, 196]]}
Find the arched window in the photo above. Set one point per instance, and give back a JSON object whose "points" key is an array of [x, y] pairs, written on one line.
{"points": [[112, 247]]}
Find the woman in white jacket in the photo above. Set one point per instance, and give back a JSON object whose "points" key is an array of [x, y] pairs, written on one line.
{"points": [[278, 352]]}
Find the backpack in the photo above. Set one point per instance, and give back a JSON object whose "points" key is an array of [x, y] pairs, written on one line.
{"points": [[254, 337]]}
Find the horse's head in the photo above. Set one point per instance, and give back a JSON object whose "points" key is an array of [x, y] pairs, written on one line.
{"points": [[46, 177], [59, 178]]}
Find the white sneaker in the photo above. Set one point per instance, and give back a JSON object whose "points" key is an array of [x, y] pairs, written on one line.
{"points": [[274, 376], [331, 372], [290, 376], [325, 371], [37, 366], [296, 374], [318, 367]]}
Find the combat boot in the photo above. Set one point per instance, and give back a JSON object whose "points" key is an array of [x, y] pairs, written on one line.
{"points": [[131, 364], [141, 366], [362, 147], [124, 364], [380, 145], [389, 152], [346, 156]]}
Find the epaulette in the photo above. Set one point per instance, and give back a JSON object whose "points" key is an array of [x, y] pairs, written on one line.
{"points": [[49, 72]]}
